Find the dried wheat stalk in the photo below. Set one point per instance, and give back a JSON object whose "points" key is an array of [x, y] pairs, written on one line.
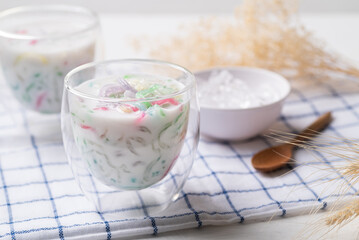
{"points": [[350, 170], [264, 34]]}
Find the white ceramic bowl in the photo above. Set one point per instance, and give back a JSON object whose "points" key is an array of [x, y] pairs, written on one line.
{"points": [[239, 124]]}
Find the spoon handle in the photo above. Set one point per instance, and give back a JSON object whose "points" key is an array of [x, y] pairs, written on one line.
{"points": [[317, 126]]}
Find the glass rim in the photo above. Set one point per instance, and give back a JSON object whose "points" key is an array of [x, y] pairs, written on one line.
{"points": [[128, 60], [52, 7]]}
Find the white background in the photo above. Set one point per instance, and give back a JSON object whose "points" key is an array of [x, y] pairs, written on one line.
{"points": [[184, 6]]}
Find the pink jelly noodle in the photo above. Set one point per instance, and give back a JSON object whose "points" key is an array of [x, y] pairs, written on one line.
{"points": [[33, 42], [40, 99], [164, 101], [140, 118], [101, 109], [133, 108], [86, 127]]}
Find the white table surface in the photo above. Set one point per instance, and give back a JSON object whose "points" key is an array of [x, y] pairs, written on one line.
{"points": [[339, 31]]}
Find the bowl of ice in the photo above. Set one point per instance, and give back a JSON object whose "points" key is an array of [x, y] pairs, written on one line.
{"points": [[238, 103]]}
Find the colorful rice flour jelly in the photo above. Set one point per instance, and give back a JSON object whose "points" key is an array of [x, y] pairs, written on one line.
{"points": [[126, 122], [130, 145], [39, 46]]}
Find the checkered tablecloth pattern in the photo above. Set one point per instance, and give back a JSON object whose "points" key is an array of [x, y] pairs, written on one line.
{"points": [[40, 199]]}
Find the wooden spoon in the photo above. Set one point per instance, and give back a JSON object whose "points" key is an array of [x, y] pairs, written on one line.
{"points": [[275, 157]]}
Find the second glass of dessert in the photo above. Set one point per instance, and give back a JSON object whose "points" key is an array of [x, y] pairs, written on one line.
{"points": [[39, 45]]}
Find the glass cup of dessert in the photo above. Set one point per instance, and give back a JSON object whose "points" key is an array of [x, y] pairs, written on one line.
{"points": [[130, 131], [39, 45]]}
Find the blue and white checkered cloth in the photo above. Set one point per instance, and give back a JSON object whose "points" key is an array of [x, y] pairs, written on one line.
{"points": [[40, 199]]}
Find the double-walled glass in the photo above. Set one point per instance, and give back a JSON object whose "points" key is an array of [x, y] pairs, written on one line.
{"points": [[131, 152], [39, 45]]}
